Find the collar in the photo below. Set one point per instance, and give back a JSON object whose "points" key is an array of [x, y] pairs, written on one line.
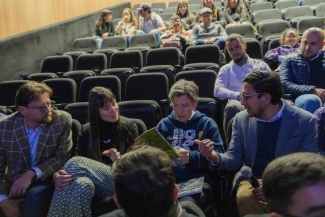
{"points": [[315, 57], [275, 117]]}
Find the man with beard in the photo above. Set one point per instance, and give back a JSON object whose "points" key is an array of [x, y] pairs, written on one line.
{"points": [[269, 128], [230, 77], [35, 143], [303, 74]]}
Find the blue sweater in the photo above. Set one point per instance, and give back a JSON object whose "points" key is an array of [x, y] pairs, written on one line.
{"points": [[180, 134]]}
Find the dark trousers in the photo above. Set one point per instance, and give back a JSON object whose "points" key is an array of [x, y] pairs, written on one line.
{"points": [[37, 200]]}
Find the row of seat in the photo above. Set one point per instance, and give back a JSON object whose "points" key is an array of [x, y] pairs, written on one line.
{"points": [[143, 86]]}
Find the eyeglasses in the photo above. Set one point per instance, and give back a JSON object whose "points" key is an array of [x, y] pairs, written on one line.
{"points": [[43, 108], [244, 97], [176, 21], [182, 107]]}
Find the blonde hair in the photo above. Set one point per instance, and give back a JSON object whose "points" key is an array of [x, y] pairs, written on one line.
{"points": [[285, 32], [133, 20]]}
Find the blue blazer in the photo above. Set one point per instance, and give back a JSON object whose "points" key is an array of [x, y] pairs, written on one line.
{"points": [[298, 133]]}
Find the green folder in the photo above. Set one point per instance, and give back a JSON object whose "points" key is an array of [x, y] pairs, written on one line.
{"points": [[153, 138]]}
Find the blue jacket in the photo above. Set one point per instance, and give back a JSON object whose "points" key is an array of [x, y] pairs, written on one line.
{"points": [[294, 74], [181, 135]]}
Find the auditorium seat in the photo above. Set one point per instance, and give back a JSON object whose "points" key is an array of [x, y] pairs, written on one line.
{"points": [[127, 59], [202, 57], [312, 2], [148, 111], [78, 76], [41, 76], [194, 2], [122, 74], [245, 30], [165, 60], [285, 4], [8, 91], [320, 10], [268, 15], [293, 14], [142, 43], [111, 82], [57, 64], [306, 23], [158, 5], [173, 4], [96, 62], [78, 111], [169, 10], [64, 91], [259, 6]]}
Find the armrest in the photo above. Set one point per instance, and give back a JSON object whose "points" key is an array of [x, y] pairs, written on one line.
{"points": [[166, 104]]}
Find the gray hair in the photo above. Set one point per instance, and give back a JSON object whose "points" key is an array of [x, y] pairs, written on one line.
{"points": [[184, 87]]}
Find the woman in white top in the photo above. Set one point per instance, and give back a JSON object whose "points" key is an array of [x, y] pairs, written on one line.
{"points": [[127, 26]]}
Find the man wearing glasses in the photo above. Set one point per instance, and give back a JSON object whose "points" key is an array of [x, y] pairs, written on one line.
{"points": [[229, 81], [269, 128], [35, 143]]}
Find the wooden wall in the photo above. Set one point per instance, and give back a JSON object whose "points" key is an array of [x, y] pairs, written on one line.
{"points": [[18, 16]]}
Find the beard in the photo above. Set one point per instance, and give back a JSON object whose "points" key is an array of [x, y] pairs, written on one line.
{"points": [[47, 118]]}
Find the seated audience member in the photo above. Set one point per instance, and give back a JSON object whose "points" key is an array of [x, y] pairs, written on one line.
{"points": [[229, 80], [177, 36], [184, 13], [288, 45], [294, 185], [103, 140], [236, 14], [35, 142], [104, 27], [303, 74], [320, 115], [149, 22], [208, 32], [145, 186], [217, 17], [184, 129], [127, 26], [269, 128]]}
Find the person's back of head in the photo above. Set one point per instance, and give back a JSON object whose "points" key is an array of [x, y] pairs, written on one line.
{"points": [[144, 182], [287, 177]]}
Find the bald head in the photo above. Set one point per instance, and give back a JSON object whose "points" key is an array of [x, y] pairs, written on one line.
{"points": [[311, 42]]}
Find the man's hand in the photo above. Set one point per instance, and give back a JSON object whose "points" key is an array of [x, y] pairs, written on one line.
{"points": [[258, 191], [21, 184], [10, 207], [152, 31], [206, 41], [321, 93], [113, 154], [206, 148], [61, 180], [105, 35], [184, 155]]}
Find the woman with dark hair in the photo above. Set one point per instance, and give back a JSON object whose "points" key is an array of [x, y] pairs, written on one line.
{"points": [[104, 27], [288, 45], [184, 13], [103, 140]]}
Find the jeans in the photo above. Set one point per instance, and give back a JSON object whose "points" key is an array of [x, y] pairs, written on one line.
{"points": [[221, 42], [308, 102], [37, 200], [99, 41], [157, 33]]}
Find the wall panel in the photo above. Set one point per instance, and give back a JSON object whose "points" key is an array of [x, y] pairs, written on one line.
{"points": [[18, 16]]}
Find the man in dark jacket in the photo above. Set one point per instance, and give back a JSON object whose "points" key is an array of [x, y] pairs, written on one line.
{"points": [[145, 186], [303, 74]]}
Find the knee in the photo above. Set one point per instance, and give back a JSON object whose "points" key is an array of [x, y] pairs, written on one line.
{"points": [[139, 32], [308, 102], [199, 42]]}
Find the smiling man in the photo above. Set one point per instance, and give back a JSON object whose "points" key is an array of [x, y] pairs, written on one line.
{"points": [[208, 32], [303, 74], [268, 128], [35, 143]]}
